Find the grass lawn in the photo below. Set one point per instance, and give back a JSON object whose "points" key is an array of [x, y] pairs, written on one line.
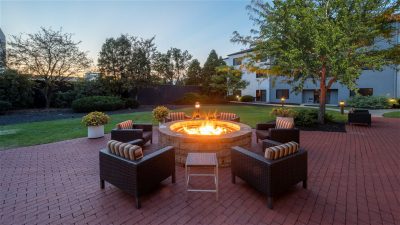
{"points": [[26, 134], [392, 114]]}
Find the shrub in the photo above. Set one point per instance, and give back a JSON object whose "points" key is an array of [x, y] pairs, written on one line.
{"points": [[4, 106], [64, 99], [97, 103], [309, 117], [247, 98], [131, 103], [283, 112], [95, 119], [371, 102], [160, 113], [17, 89]]}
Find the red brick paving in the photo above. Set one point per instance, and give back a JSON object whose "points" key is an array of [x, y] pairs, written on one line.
{"points": [[354, 178]]}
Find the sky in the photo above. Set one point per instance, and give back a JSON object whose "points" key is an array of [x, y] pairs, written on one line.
{"points": [[197, 26]]}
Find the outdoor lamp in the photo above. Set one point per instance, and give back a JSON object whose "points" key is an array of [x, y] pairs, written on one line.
{"points": [[197, 106], [341, 104], [283, 101], [238, 97]]}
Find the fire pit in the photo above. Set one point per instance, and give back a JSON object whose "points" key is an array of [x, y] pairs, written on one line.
{"points": [[205, 136]]}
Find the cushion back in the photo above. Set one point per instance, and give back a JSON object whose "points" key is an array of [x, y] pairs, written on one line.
{"points": [[280, 151], [284, 122], [125, 125], [227, 116], [125, 150], [176, 116]]}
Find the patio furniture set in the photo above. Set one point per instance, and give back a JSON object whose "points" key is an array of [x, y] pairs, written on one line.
{"points": [[137, 168]]}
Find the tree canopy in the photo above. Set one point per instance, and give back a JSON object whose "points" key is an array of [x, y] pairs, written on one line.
{"points": [[126, 63], [50, 54], [194, 73], [209, 69], [322, 41]]}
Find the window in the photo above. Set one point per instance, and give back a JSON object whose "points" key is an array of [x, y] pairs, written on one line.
{"points": [[282, 93], [237, 61], [363, 92]]}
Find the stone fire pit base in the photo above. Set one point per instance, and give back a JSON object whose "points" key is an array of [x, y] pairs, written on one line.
{"points": [[221, 144]]}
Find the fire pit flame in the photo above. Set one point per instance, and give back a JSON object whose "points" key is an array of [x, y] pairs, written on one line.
{"points": [[206, 128]]}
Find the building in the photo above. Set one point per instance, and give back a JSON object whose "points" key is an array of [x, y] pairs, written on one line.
{"points": [[378, 83], [2, 50]]}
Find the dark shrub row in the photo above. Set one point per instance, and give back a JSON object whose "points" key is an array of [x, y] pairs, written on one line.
{"points": [[97, 103]]}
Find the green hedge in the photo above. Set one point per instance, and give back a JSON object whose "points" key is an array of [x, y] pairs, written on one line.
{"points": [[131, 103], [309, 117], [369, 102], [4, 106], [247, 98], [97, 103]]}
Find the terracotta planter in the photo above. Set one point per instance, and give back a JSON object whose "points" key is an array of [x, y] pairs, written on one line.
{"points": [[95, 131]]}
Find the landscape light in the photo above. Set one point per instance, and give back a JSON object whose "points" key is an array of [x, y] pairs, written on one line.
{"points": [[342, 104], [283, 101]]}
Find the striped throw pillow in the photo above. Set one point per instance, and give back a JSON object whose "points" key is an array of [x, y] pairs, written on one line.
{"points": [[280, 151], [125, 150], [177, 116], [284, 122], [227, 116], [125, 125]]}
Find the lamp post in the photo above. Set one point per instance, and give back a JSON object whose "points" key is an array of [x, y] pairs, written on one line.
{"points": [[393, 102], [283, 101], [238, 97], [341, 104], [197, 106]]}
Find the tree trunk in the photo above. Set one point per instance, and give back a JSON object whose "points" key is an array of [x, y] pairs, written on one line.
{"points": [[47, 95], [322, 96]]}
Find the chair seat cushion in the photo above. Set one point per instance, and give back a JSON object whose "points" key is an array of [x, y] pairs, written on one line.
{"points": [[262, 134], [125, 150], [280, 151]]}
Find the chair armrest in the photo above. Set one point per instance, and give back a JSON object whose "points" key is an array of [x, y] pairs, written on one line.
{"points": [[136, 142], [126, 135], [144, 127], [269, 143], [246, 153], [187, 117], [265, 126]]}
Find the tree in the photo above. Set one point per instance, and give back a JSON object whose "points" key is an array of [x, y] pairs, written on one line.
{"points": [[172, 66], [209, 69], [163, 67], [50, 55], [125, 64], [227, 81], [194, 73], [322, 41]]}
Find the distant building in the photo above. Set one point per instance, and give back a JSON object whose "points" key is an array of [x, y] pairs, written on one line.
{"points": [[2, 51], [92, 76], [263, 89]]}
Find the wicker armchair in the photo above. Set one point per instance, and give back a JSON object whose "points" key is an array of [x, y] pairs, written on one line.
{"points": [[268, 131], [144, 132], [359, 116], [270, 177], [140, 176], [173, 116], [228, 116]]}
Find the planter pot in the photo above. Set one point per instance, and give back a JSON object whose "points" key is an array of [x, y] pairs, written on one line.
{"points": [[95, 131]]}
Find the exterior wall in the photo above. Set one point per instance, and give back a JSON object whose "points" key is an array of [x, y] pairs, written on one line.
{"points": [[2, 50], [254, 83]]}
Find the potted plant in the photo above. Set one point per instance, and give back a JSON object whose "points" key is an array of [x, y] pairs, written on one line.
{"points": [[95, 122], [160, 113]]}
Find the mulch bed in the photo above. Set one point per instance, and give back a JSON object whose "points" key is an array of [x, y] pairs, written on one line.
{"points": [[328, 127]]}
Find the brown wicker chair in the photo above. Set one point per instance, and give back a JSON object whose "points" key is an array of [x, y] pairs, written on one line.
{"points": [[173, 116], [268, 131], [359, 116], [140, 176], [138, 131], [228, 116], [270, 177]]}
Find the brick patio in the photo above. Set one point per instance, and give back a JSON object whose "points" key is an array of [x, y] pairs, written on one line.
{"points": [[354, 178]]}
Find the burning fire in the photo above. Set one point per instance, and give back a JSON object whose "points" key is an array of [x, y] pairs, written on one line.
{"points": [[206, 128]]}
